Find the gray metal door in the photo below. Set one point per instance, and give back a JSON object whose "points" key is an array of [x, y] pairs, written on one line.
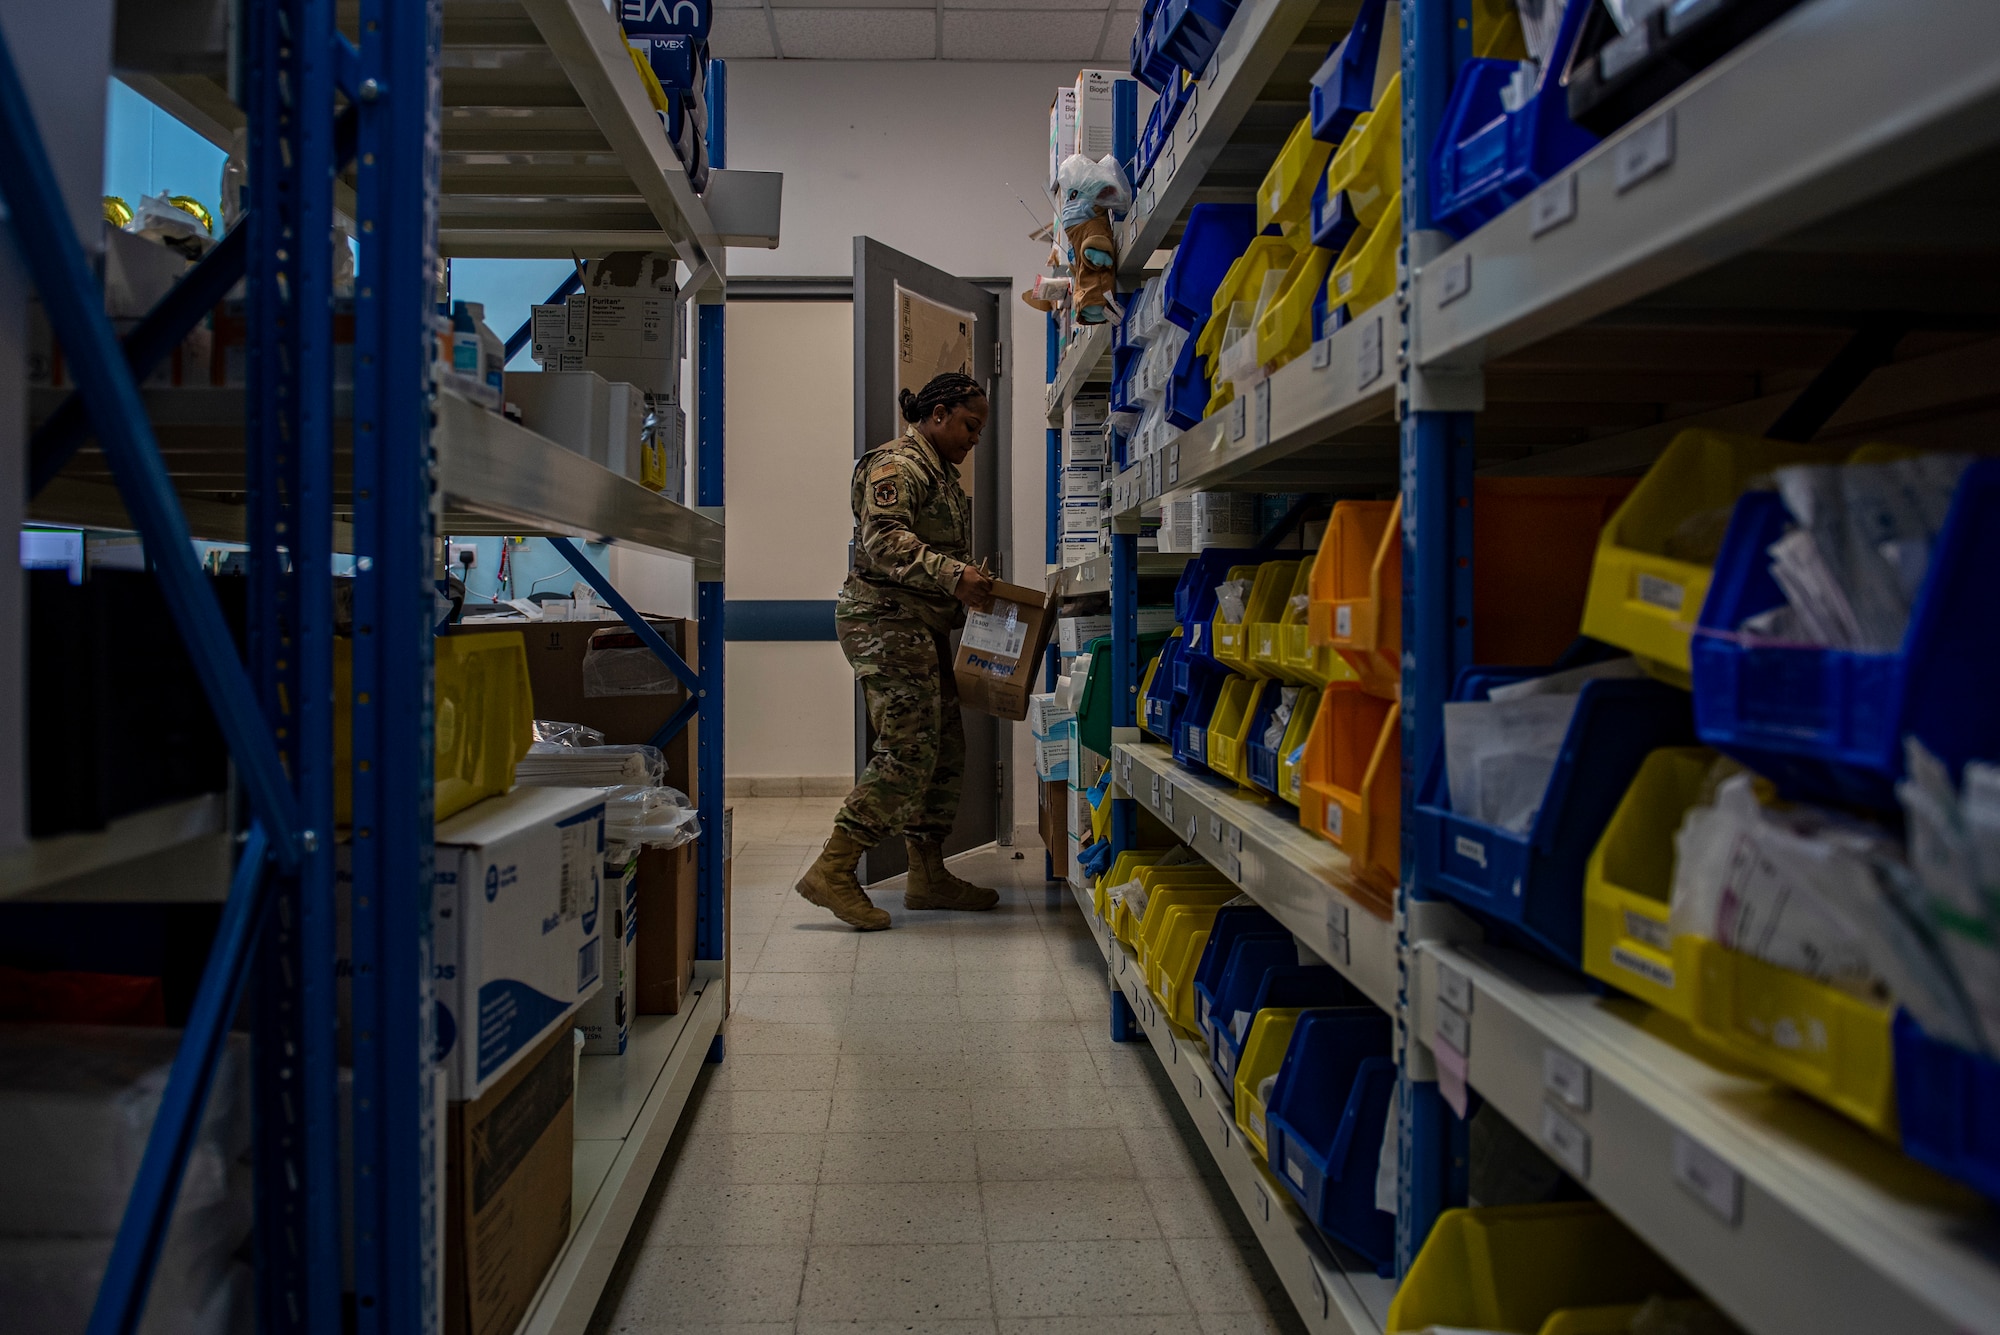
{"points": [[907, 324]]}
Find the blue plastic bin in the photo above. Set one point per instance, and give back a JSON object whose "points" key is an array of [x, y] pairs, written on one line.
{"points": [[1486, 158], [1150, 65], [1532, 884], [1194, 604], [1344, 87], [1332, 221], [1948, 1106], [1239, 922], [1187, 389], [1216, 234], [1262, 977], [1157, 707], [1192, 29], [1205, 683], [1326, 1116], [1827, 725], [1264, 759]]}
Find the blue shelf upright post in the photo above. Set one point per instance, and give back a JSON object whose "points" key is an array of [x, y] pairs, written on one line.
{"points": [[710, 923], [1436, 431], [289, 494], [396, 1194]]}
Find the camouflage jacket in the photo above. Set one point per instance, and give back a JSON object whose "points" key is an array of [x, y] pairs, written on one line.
{"points": [[912, 536]]}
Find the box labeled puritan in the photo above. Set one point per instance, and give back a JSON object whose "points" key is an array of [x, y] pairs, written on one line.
{"points": [[518, 904], [606, 1018], [633, 322], [1000, 651], [549, 333]]}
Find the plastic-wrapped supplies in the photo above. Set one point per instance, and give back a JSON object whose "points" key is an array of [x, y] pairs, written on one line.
{"points": [[619, 663], [77, 1104], [1500, 751], [638, 808], [1955, 861]]}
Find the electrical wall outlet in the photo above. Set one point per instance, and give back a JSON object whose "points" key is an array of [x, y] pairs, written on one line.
{"points": [[463, 554]]}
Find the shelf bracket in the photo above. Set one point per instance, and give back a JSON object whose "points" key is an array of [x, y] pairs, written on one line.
{"points": [[142, 1232], [651, 638]]}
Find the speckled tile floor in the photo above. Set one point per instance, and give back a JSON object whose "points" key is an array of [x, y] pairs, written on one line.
{"points": [[929, 1129]]}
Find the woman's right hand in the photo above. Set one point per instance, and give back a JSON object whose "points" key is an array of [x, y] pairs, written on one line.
{"points": [[975, 588]]}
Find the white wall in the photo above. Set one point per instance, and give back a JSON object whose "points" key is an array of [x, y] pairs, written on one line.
{"points": [[928, 158], [789, 392]]}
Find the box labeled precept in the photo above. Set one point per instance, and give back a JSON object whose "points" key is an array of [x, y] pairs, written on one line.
{"points": [[1000, 651], [518, 902]]}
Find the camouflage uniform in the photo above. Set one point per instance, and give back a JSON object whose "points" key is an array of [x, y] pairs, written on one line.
{"points": [[895, 614]]}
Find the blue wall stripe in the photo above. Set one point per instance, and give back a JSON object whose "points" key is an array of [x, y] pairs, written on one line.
{"points": [[777, 619]]}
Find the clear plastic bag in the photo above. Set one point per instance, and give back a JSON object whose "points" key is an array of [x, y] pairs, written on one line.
{"points": [[619, 665], [566, 734], [1500, 751], [1232, 596]]}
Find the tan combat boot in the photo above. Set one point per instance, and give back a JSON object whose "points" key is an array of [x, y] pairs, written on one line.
{"points": [[830, 884], [932, 886]]}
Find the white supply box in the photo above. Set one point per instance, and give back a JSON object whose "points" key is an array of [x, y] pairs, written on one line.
{"points": [[1047, 716], [1078, 548], [1211, 519], [624, 423], [1052, 759], [518, 903], [1082, 478], [1081, 514], [571, 408], [1072, 633], [1088, 411], [1095, 103], [1062, 131], [1087, 445], [606, 1018]]}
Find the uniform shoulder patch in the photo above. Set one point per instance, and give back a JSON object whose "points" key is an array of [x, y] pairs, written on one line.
{"points": [[887, 491]]}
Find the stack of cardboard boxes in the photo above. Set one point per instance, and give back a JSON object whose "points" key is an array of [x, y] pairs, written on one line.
{"points": [[611, 362]]}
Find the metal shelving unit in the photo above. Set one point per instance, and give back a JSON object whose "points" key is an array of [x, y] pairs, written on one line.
{"points": [[481, 127], [1334, 1291], [1085, 361], [1700, 268]]}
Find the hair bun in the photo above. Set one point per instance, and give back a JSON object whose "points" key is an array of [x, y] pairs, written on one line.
{"points": [[908, 402]]}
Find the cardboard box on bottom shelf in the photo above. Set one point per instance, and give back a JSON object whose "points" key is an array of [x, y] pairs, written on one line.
{"points": [[507, 1189], [606, 1019], [556, 659], [1052, 808], [668, 896], [999, 655]]}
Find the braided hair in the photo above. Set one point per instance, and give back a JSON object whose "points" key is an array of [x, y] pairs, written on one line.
{"points": [[945, 391]]}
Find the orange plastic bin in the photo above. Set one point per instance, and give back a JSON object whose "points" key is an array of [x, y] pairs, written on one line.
{"points": [[1350, 785]]}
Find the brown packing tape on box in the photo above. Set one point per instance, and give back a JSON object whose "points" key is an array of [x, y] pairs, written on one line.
{"points": [[507, 1189], [1000, 651]]}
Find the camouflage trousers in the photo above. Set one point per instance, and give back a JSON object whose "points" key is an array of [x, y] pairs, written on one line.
{"points": [[917, 763]]}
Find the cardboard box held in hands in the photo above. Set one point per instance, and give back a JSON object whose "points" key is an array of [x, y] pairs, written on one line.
{"points": [[1000, 651]]}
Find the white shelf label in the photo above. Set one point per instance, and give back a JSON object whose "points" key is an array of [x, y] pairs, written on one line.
{"points": [[1239, 417], [1712, 1181], [1454, 280], [1342, 952], [1167, 162], [1322, 354], [1228, 1127], [1455, 1029], [1233, 836], [1156, 793], [1552, 206], [1566, 1078], [1174, 462], [1643, 153], [1336, 917], [1568, 1143], [1369, 369], [1455, 988], [1194, 826], [1263, 1201], [1262, 409], [1232, 865], [1200, 1092], [1215, 828]]}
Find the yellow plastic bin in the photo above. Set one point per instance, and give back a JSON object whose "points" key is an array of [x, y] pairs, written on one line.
{"points": [[1123, 868], [1209, 893], [1656, 554], [1285, 197], [1307, 663], [1514, 1267], [1291, 751], [1243, 281], [1369, 163], [1263, 1053], [1263, 614], [1285, 331], [1129, 926], [1365, 276], [485, 717], [1170, 973], [1629, 881], [1817, 1039], [1229, 728], [1230, 642]]}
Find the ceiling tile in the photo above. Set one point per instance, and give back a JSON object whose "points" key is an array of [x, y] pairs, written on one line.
{"points": [[741, 34], [1066, 6], [854, 4], [857, 34], [757, 5], [1118, 39], [1047, 35]]}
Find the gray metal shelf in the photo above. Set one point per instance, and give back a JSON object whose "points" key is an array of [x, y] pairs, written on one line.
{"points": [[180, 852], [1839, 103], [1094, 575], [1305, 882], [1087, 359], [1321, 423], [1334, 1291], [1791, 1218]]}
